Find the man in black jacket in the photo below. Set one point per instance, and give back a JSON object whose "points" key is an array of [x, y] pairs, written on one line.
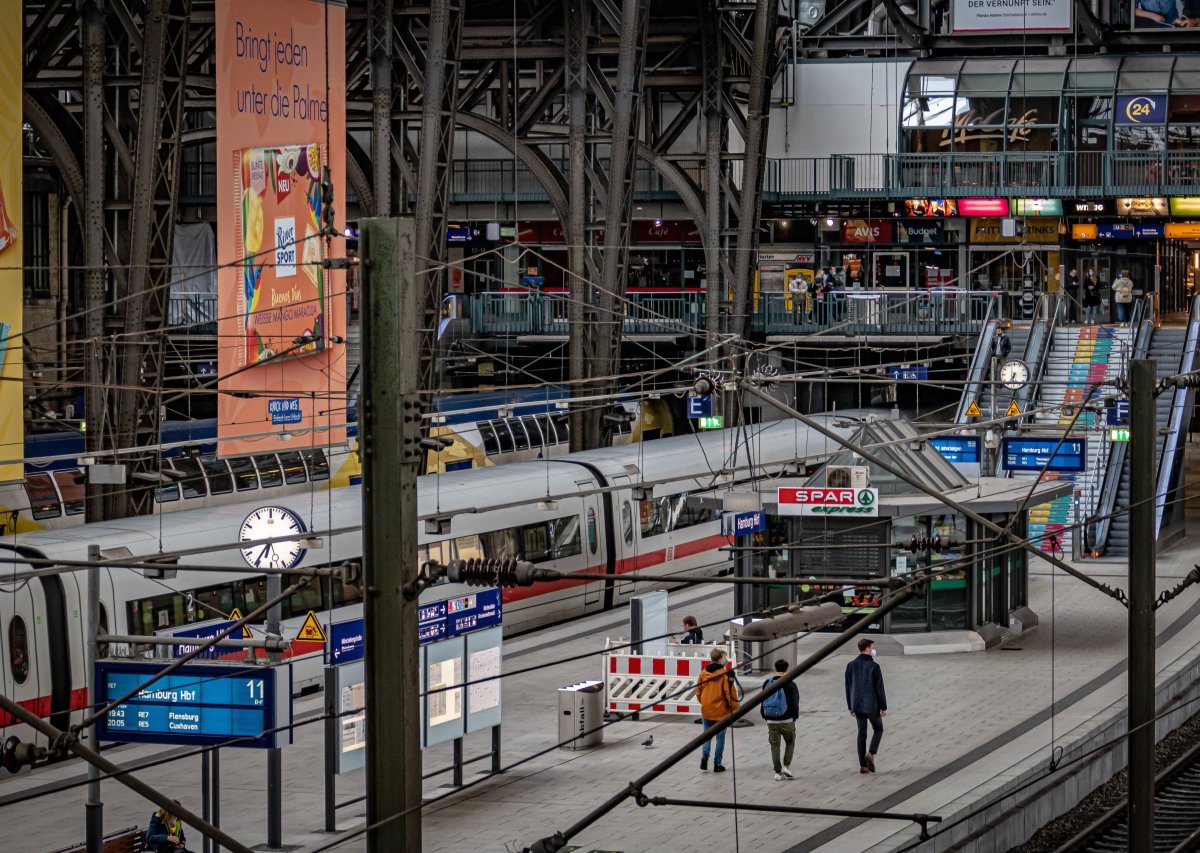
{"points": [[867, 701], [781, 721]]}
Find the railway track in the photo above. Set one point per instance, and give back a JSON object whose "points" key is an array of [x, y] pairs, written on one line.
{"points": [[1176, 814]]}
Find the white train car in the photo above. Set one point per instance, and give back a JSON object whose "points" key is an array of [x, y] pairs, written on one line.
{"points": [[607, 511]]}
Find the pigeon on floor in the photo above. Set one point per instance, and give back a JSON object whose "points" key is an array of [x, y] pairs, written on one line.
{"points": [[648, 742]]}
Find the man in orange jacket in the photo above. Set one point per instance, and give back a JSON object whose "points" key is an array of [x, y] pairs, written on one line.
{"points": [[718, 699]]}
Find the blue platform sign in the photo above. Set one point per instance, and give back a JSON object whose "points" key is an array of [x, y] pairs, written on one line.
{"points": [[1033, 454], [431, 622], [285, 411], [700, 407], [197, 705], [743, 523], [346, 640], [913, 373], [957, 450], [473, 612], [1117, 413], [202, 633]]}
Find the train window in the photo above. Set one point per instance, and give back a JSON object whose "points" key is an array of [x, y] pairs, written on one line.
{"points": [[212, 603], [520, 437], [254, 591], [166, 492], [193, 480], [71, 490], [491, 444], [654, 514], [293, 468], [43, 497], [503, 435], [18, 649], [468, 547], [344, 593], [244, 476], [318, 465], [564, 535], [302, 600], [627, 522], [593, 539], [219, 480], [268, 470], [102, 648], [688, 514], [502, 544]]}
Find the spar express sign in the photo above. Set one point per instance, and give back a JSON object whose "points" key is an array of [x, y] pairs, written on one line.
{"points": [[826, 500]]}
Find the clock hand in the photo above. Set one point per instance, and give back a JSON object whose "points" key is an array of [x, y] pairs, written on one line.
{"points": [[266, 550]]}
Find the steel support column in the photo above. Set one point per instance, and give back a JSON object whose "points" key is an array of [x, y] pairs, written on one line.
{"points": [[95, 280], [750, 208], [381, 14], [714, 206], [438, 109]]}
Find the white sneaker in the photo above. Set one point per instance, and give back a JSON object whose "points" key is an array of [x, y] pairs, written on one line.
{"points": [[788, 773], [778, 778]]}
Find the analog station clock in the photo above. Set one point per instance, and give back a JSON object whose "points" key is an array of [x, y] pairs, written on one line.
{"points": [[1014, 374], [271, 522]]}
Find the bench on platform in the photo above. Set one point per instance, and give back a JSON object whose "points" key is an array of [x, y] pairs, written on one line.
{"points": [[126, 841]]}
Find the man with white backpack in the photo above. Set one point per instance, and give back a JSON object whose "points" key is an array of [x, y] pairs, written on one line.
{"points": [[780, 710]]}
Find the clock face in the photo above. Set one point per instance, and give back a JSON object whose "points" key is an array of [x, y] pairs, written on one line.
{"points": [[271, 522], [1014, 374]]}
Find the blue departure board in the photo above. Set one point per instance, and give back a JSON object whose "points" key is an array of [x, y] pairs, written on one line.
{"points": [[1032, 454], [958, 450], [198, 704]]}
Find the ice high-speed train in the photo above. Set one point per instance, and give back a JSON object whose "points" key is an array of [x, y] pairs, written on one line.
{"points": [[612, 511]]}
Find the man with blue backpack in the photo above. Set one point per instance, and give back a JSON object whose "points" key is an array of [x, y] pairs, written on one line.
{"points": [[780, 710]]}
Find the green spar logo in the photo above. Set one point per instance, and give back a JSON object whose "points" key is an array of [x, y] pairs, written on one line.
{"points": [[866, 498]]}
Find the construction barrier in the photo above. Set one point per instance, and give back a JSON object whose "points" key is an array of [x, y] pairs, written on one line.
{"points": [[656, 683]]}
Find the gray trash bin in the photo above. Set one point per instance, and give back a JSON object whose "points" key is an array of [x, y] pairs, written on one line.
{"points": [[581, 709]]}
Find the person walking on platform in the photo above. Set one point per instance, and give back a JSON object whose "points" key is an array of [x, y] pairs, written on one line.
{"points": [[718, 699], [1071, 289], [1091, 298], [691, 631], [1122, 288], [780, 710], [867, 702]]}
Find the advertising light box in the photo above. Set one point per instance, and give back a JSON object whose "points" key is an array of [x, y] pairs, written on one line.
{"points": [[983, 206], [1037, 207]]}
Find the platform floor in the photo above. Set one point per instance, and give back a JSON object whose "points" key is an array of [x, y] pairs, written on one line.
{"points": [[957, 722]]}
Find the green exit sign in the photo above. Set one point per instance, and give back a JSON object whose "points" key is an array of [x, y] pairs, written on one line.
{"points": [[711, 422], [1118, 434]]}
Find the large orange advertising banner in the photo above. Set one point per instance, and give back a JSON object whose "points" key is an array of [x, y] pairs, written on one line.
{"points": [[281, 130], [12, 406]]}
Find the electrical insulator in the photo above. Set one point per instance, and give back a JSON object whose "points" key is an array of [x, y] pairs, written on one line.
{"points": [[482, 572], [15, 754], [704, 386], [927, 543]]}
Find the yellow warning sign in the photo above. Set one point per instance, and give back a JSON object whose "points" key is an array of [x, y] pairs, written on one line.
{"points": [[234, 615], [973, 410], [311, 631], [1014, 411]]}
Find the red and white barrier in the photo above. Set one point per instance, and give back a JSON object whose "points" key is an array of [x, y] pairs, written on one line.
{"points": [[656, 683]]}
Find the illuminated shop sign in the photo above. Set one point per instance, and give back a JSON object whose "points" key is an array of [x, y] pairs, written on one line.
{"points": [[930, 207], [1037, 207], [1143, 206], [1185, 206], [1182, 230], [1141, 109], [1084, 232], [1090, 206], [1033, 230], [867, 230], [918, 232], [983, 206]]}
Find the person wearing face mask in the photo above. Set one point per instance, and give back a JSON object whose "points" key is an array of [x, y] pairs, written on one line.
{"points": [[867, 701]]}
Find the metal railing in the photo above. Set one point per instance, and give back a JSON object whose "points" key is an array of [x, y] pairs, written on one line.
{"points": [[535, 313], [878, 312], [1170, 463], [945, 174], [496, 179], [193, 312]]}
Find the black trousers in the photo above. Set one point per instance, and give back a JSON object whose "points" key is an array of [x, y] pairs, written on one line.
{"points": [[877, 727]]}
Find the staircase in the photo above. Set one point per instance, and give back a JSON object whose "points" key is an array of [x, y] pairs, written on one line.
{"points": [[1165, 348], [1079, 357]]}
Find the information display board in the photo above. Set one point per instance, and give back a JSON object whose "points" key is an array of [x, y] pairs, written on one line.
{"points": [[444, 711], [959, 450], [456, 616], [349, 686], [1034, 454], [197, 705]]}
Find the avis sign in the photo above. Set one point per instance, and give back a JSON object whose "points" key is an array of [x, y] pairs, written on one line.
{"points": [[826, 500]]}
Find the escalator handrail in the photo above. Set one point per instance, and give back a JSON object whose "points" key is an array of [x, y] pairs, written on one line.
{"points": [[979, 363], [1181, 407], [1037, 348], [1114, 467]]}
